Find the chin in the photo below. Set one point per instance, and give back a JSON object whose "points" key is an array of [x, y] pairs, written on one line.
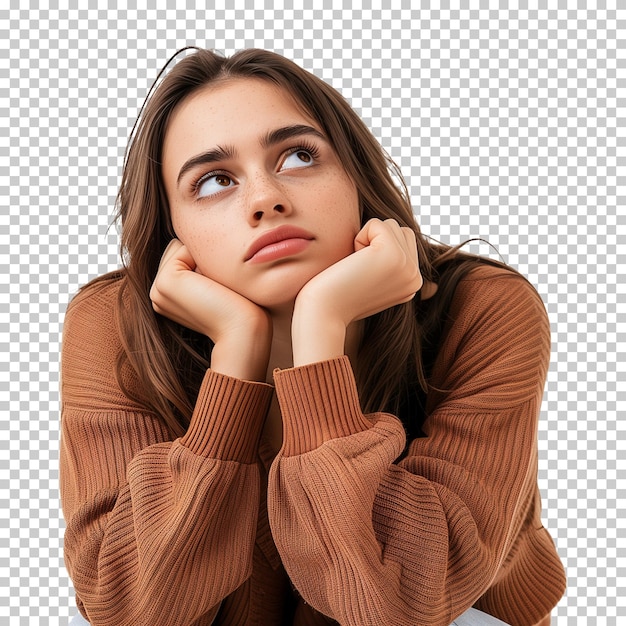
{"points": [[280, 290], [284, 300]]}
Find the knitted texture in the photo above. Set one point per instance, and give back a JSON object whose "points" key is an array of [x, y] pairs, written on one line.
{"points": [[208, 528]]}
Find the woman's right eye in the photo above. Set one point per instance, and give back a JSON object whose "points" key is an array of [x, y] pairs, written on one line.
{"points": [[210, 184]]}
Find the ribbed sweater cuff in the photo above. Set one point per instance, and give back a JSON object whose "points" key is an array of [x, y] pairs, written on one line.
{"points": [[318, 402], [228, 418]]}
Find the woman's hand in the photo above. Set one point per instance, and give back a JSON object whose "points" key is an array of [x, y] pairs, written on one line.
{"points": [[240, 329], [383, 271]]}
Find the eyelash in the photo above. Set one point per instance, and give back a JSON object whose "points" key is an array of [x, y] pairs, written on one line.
{"points": [[312, 149], [195, 185]]}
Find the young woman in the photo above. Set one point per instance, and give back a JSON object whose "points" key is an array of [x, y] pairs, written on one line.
{"points": [[290, 407]]}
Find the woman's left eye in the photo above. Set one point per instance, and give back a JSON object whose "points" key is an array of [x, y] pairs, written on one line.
{"points": [[298, 158]]}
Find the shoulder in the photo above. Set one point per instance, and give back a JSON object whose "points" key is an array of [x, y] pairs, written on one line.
{"points": [[90, 315], [496, 337], [91, 344], [101, 290], [498, 296]]}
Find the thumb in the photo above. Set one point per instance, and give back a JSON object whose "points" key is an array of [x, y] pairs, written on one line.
{"points": [[182, 257], [367, 234]]}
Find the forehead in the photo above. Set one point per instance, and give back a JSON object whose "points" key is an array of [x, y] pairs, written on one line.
{"points": [[234, 109]]}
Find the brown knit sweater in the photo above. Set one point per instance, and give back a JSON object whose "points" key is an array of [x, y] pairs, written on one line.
{"points": [[209, 529]]}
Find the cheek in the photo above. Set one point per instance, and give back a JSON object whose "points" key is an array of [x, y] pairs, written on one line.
{"points": [[342, 223], [209, 256], [179, 223], [347, 214], [200, 240]]}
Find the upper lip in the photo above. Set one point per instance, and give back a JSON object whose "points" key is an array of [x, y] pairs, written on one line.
{"points": [[274, 236]]}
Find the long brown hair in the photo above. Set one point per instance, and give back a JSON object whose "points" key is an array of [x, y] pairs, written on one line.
{"points": [[167, 360]]}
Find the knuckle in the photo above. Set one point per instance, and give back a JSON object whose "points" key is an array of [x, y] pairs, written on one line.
{"points": [[156, 292]]}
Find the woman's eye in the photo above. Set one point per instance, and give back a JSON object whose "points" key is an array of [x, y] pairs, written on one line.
{"points": [[213, 184], [298, 158]]}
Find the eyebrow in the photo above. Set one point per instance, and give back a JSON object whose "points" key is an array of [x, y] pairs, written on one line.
{"points": [[228, 152]]}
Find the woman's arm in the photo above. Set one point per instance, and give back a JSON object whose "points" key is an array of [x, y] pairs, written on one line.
{"points": [[369, 541], [158, 531], [240, 330], [382, 272]]}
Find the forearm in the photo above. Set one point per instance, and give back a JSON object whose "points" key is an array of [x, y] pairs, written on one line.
{"points": [[243, 355], [152, 522], [315, 335], [153, 558], [346, 517]]}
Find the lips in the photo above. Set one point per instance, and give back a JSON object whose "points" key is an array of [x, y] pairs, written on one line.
{"points": [[275, 236]]}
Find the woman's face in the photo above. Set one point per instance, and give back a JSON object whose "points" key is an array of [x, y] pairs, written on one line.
{"points": [[256, 192]]}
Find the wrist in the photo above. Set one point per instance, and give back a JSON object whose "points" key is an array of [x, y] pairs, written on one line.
{"points": [[316, 335], [243, 354]]}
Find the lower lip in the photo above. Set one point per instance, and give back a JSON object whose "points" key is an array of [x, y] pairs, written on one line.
{"points": [[280, 250]]}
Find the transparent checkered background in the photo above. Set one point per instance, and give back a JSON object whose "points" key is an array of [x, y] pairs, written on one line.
{"points": [[507, 126]]}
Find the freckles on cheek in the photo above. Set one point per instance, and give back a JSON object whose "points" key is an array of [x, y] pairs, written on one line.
{"points": [[202, 250], [179, 224]]}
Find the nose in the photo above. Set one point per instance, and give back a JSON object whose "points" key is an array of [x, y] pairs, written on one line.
{"points": [[266, 198]]}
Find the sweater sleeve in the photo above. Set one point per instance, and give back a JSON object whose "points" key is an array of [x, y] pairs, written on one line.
{"points": [[159, 531], [368, 540]]}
